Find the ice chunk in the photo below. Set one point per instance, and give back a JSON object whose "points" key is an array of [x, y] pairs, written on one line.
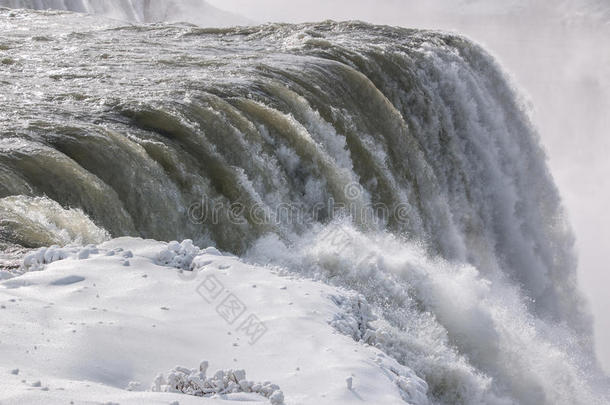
{"points": [[178, 255], [277, 398], [212, 251], [133, 386], [194, 382]]}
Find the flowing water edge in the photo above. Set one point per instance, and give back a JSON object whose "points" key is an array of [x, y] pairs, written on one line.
{"points": [[400, 164]]}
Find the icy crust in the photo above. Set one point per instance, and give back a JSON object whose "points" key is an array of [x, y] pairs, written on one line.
{"points": [[354, 319], [195, 382], [412, 389], [38, 259], [179, 255]]}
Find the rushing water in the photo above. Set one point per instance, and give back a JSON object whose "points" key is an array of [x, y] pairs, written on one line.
{"points": [[396, 162]]}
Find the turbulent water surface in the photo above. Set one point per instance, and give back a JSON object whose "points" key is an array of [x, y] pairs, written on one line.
{"points": [[396, 162], [141, 11]]}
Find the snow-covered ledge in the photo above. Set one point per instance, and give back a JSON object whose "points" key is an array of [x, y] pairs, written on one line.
{"points": [[101, 323]]}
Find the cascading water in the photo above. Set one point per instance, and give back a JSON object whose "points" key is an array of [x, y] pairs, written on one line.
{"points": [[395, 162]]}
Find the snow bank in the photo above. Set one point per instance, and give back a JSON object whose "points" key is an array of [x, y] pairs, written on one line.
{"points": [[107, 329]]}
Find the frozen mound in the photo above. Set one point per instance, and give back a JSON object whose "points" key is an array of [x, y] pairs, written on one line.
{"points": [[195, 382], [38, 259], [178, 255]]}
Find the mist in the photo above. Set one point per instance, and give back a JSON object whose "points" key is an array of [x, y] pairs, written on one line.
{"points": [[556, 53]]}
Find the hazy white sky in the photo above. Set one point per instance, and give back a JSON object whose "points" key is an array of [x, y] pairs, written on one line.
{"points": [[558, 53]]}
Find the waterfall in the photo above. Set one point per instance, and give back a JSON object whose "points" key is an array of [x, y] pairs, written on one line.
{"points": [[396, 162]]}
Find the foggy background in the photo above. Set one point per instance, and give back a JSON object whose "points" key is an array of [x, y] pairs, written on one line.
{"points": [[558, 54]]}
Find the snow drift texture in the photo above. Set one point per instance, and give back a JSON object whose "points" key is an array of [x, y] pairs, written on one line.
{"points": [[274, 142]]}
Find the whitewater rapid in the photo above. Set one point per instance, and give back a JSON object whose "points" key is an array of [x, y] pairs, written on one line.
{"points": [[399, 163]]}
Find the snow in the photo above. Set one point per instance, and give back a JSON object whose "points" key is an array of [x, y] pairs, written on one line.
{"points": [[83, 327], [68, 280]]}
